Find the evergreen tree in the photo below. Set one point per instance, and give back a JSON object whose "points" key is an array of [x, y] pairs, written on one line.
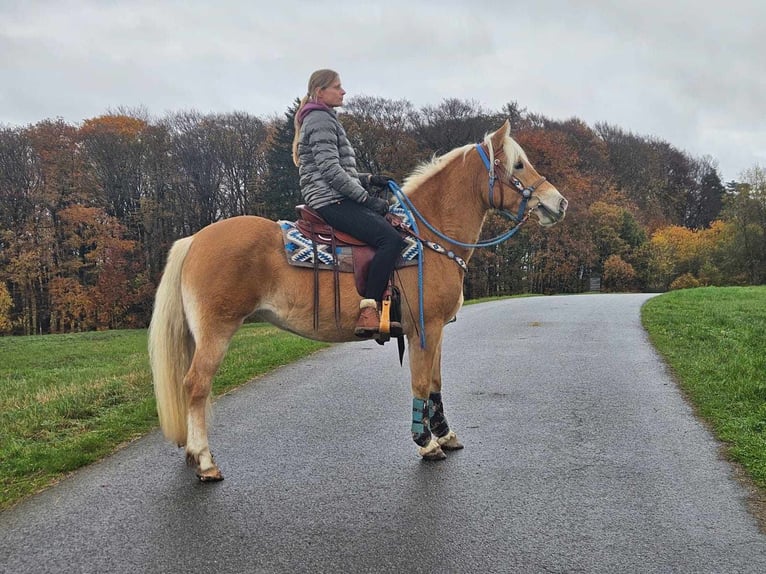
{"points": [[281, 187]]}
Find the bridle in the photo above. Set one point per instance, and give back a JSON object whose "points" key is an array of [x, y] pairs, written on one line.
{"points": [[497, 166], [494, 168]]}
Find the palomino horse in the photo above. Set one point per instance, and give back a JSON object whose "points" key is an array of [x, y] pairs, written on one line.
{"points": [[237, 268]]}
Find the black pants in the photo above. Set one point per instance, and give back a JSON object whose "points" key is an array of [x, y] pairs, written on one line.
{"points": [[364, 224]]}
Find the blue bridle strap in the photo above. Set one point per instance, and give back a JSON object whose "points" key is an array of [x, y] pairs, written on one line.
{"points": [[491, 170]]}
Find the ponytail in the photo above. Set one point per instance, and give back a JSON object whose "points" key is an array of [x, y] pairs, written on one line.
{"points": [[297, 124]]}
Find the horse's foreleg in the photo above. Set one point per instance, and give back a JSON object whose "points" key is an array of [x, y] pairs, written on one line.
{"points": [[421, 368], [198, 383], [446, 438]]}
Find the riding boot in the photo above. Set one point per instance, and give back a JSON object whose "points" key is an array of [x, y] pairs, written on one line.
{"points": [[369, 319]]}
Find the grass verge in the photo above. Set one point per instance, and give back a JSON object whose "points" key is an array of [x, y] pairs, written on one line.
{"points": [[714, 340], [68, 400]]}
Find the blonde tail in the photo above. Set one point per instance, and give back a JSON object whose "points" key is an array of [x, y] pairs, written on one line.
{"points": [[171, 346]]}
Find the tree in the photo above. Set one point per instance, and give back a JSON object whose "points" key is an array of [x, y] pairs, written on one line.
{"points": [[653, 174], [242, 142], [451, 124], [115, 150], [382, 135], [281, 185], [619, 275], [6, 305], [745, 210], [199, 174], [20, 178], [705, 199]]}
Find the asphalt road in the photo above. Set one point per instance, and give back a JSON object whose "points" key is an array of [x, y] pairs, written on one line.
{"points": [[581, 456]]}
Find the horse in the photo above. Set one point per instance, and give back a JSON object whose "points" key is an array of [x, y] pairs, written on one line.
{"points": [[236, 268]]}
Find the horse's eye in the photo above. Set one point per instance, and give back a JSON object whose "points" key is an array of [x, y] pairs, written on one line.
{"points": [[519, 165]]}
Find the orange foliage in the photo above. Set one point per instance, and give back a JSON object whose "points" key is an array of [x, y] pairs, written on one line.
{"points": [[122, 126], [618, 274]]}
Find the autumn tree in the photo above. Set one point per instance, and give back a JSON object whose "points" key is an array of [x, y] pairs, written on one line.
{"points": [[114, 149], [98, 280], [653, 174], [618, 275], [745, 210], [6, 305], [88, 213]]}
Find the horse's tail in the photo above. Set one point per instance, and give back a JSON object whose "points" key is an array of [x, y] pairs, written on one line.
{"points": [[171, 346]]}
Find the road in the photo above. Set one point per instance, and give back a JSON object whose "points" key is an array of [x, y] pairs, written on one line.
{"points": [[581, 456]]}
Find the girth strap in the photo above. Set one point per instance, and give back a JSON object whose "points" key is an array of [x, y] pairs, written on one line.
{"points": [[336, 277]]}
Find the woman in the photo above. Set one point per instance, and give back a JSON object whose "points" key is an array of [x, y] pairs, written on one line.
{"points": [[331, 185]]}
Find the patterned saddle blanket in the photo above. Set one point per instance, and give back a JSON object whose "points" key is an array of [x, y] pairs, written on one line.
{"points": [[302, 252]]}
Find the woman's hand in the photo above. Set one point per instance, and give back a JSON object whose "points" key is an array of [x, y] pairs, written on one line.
{"points": [[379, 181], [378, 205]]}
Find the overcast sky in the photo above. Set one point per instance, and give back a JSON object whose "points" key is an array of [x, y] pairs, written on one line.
{"points": [[689, 72]]}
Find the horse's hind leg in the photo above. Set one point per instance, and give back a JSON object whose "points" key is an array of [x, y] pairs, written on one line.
{"points": [[198, 382], [438, 424]]}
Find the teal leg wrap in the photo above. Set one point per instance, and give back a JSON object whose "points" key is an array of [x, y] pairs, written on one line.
{"points": [[421, 432]]}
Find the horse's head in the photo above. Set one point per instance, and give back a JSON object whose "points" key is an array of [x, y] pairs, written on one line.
{"points": [[515, 179]]}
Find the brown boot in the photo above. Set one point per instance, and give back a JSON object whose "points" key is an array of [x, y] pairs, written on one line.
{"points": [[369, 319]]}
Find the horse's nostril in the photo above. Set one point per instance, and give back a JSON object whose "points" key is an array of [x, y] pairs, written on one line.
{"points": [[563, 205]]}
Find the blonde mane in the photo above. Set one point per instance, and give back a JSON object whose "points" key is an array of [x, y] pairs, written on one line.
{"points": [[426, 170]]}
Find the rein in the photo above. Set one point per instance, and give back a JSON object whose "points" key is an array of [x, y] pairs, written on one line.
{"points": [[413, 213]]}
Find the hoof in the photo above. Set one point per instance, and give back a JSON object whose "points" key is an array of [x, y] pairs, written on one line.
{"points": [[432, 451], [450, 442], [212, 474]]}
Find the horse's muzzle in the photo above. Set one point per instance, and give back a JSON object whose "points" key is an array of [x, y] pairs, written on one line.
{"points": [[548, 215]]}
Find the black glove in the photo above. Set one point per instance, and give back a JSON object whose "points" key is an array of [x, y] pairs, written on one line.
{"points": [[378, 205], [379, 181]]}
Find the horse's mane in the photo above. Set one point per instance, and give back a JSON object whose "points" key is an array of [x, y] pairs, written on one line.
{"points": [[427, 169]]}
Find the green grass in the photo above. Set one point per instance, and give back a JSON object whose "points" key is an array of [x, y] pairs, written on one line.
{"points": [[714, 340], [68, 400]]}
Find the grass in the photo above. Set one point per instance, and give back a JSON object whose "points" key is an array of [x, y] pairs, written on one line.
{"points": [[68, 400], [714, 340]]}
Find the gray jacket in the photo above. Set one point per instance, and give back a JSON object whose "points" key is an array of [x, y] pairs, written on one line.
{"points": [[327, 161]]}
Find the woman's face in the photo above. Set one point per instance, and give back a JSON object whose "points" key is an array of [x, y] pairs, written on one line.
{"points": [[332, 95]]}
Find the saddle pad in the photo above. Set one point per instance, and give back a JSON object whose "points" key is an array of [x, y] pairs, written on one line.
{"points": [[300, 251]]}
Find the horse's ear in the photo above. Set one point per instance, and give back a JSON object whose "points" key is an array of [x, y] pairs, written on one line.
{"points": [[499, 136]]}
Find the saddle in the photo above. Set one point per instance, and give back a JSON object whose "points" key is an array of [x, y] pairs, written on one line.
{"points": [[311, 224]]}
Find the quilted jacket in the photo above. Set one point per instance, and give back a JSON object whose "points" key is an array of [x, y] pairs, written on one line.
{"points": [[327, 161]]}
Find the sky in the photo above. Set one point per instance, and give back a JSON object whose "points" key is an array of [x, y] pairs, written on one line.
{"points": [[690, 73]]}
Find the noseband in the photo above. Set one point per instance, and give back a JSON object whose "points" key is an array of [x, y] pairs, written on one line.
{"points": [[498, 167]]}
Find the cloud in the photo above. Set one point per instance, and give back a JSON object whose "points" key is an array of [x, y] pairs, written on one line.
{"points": [[687, 72]]}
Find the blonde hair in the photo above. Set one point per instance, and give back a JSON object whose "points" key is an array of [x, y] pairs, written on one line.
{"points": [[319, 80]]}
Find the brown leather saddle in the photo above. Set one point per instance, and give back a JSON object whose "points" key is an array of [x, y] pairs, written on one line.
{"points": [[311, 224]]}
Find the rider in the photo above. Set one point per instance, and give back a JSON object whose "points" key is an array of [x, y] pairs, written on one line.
{"points": [[331, 185]]}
